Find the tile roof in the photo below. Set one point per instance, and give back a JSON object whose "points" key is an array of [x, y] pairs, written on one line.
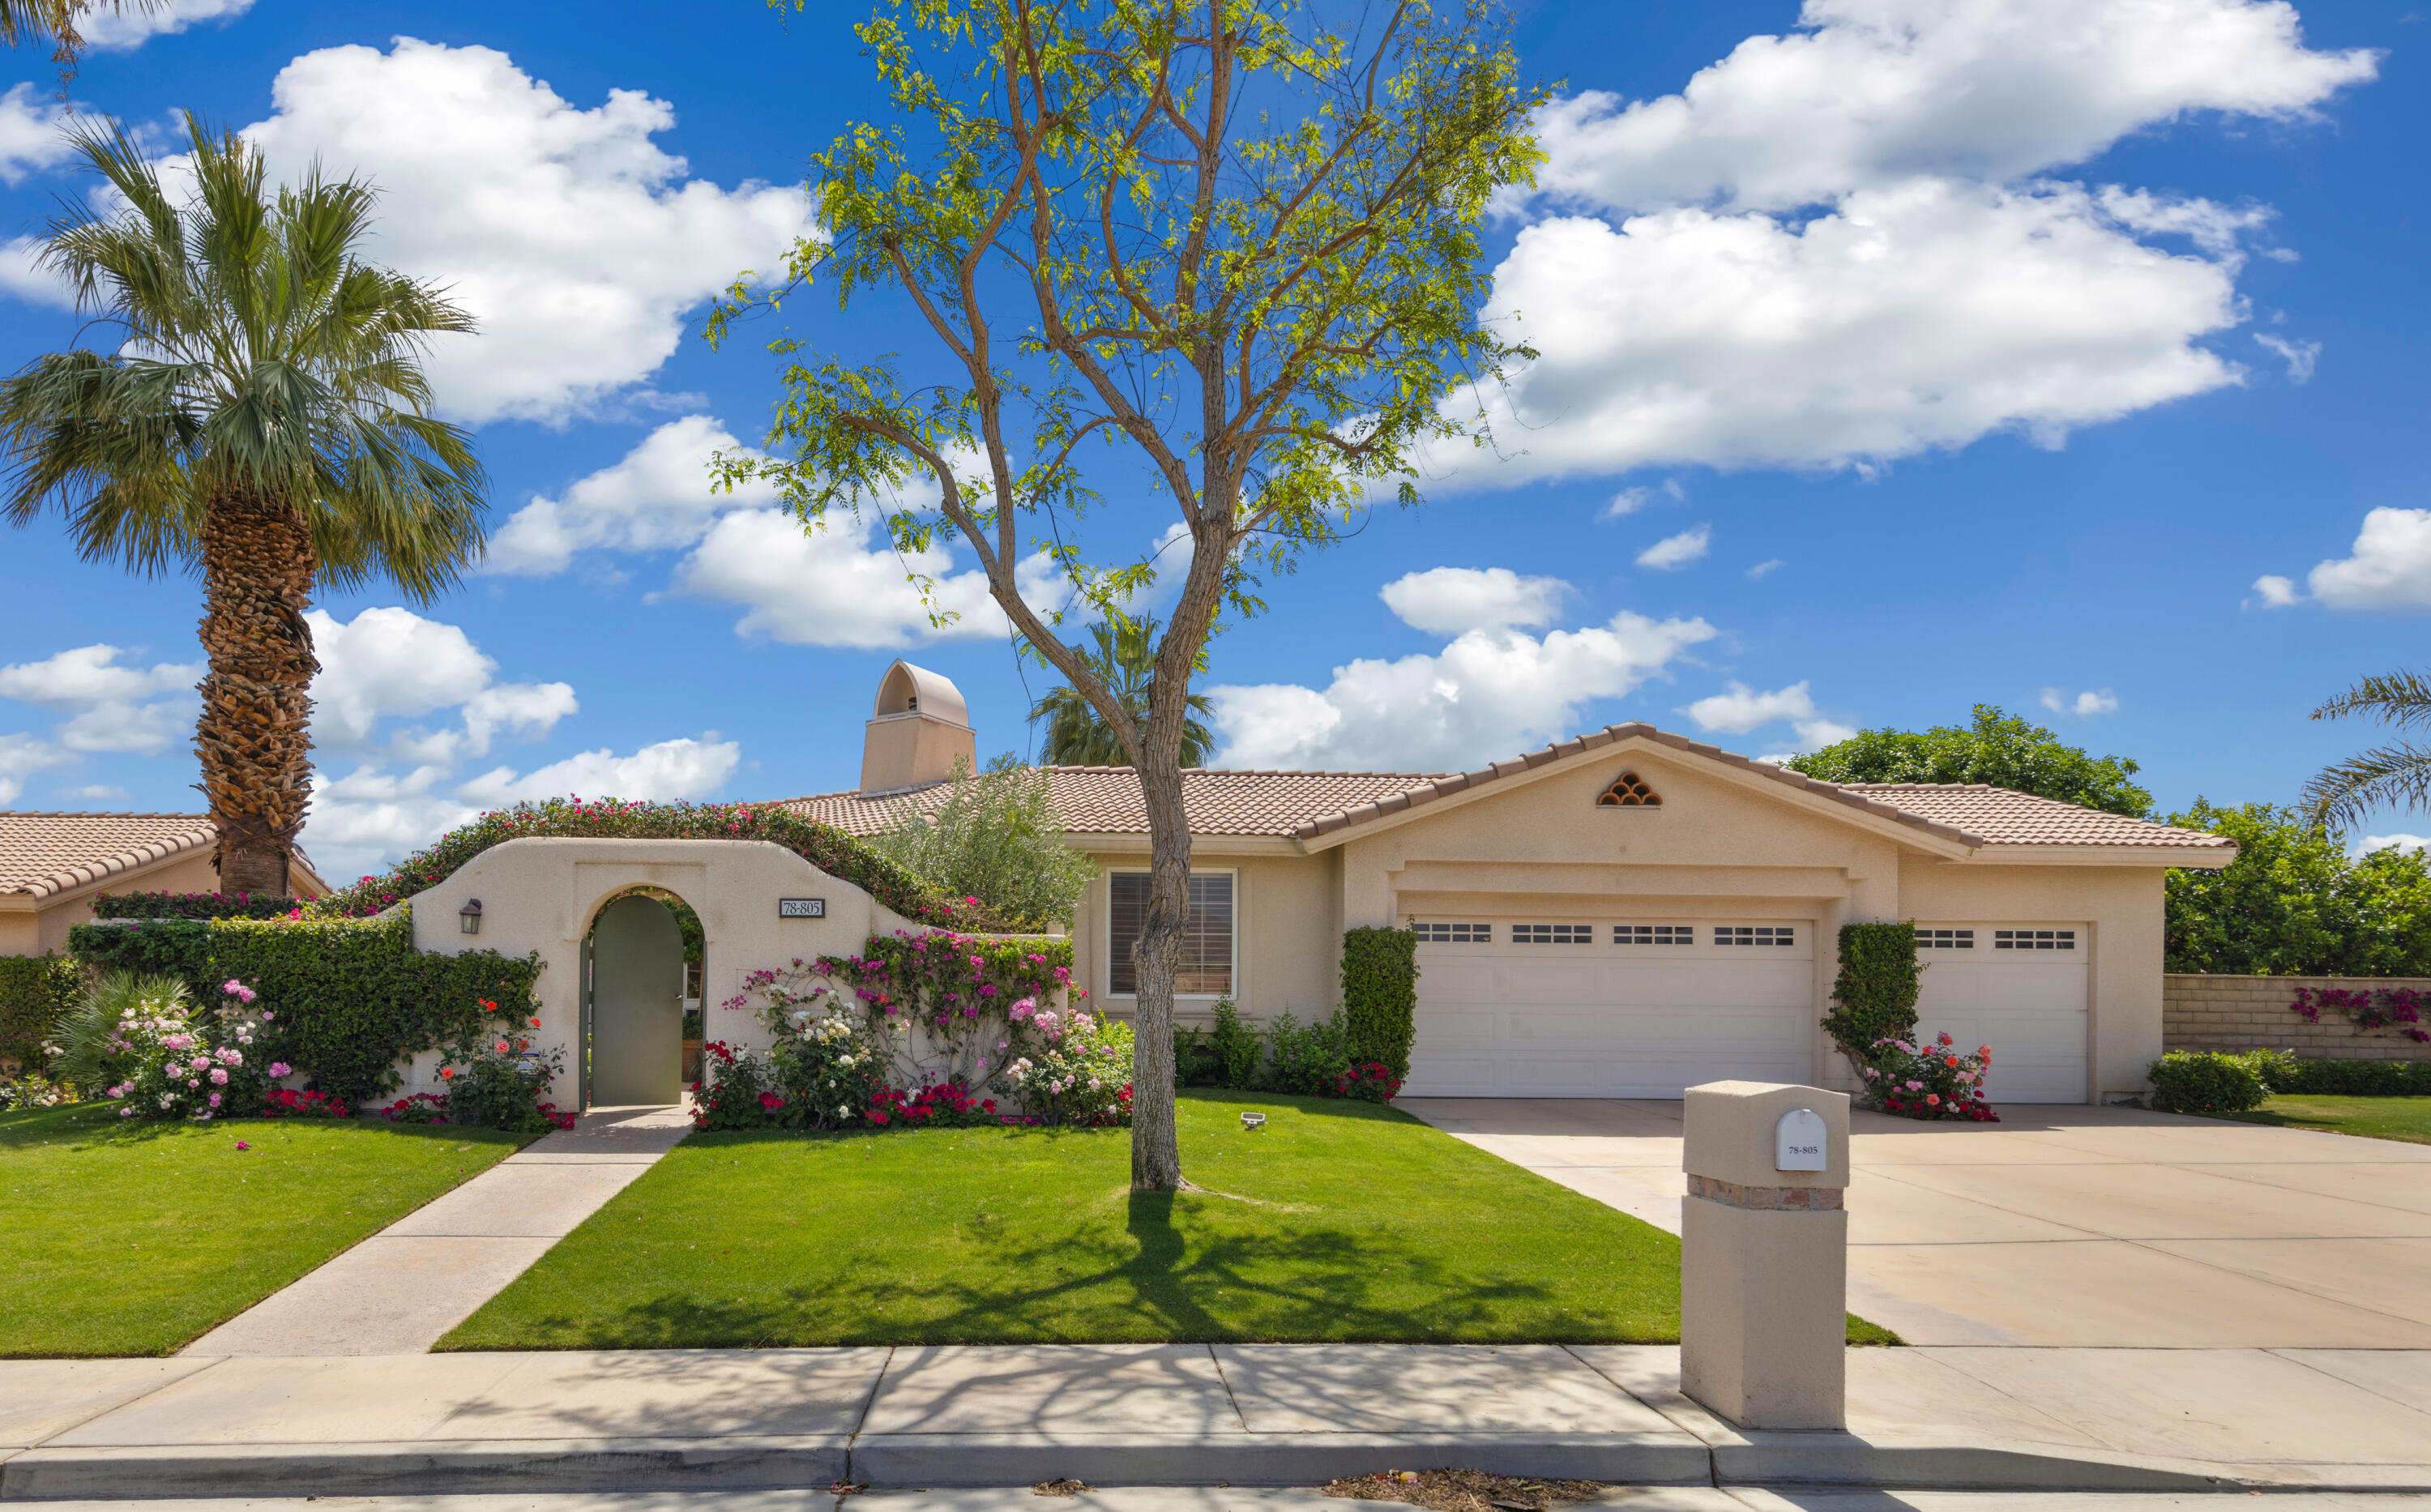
{"points": [[1307, 805], [43, 854]]}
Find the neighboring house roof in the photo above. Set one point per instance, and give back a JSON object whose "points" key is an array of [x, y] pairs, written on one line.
{"points": [[45, 854], [1310, 805]]}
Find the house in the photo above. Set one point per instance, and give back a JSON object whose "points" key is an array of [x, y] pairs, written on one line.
{"points": [[51, 866], [1623, 915]]}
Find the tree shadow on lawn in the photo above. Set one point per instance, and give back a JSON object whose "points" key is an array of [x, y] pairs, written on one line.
{"points": [[1178, 1284]]}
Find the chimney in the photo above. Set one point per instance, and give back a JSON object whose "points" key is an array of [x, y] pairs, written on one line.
{"points": [[916, 733]]}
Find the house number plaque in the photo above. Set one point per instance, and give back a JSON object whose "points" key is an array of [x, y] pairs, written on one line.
{"points": [[1799, 1141], [811, 907]]}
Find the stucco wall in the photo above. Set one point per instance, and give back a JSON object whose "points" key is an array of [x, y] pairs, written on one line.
{"points": [[541, 895], [2201, 1012]]}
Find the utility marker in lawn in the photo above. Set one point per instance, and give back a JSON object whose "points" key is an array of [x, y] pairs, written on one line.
{"points": [[1339, 1220]]}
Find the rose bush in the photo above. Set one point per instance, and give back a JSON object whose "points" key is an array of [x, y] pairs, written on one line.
{"points": [[497, 1080], [1369, 1082], [173, 1060], [1935, 1081], [1078, 1071]]}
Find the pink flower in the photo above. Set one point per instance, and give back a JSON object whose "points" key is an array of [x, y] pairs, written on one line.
{"points": [[219, 1076], [282, 1068], [215, 1099], [242, 1144], [502, 1047]]}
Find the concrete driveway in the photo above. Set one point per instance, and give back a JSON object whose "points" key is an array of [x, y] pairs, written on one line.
{"points": [[2098, 1227]]}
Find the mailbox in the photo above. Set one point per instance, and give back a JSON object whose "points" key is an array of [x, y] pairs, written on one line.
{"points": [[1801, 1141]]}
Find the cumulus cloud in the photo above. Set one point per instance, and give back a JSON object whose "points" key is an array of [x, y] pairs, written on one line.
{"points": [[2388, 567], [112, 708], [131, 26], [655, 497], [1493, 692], [2083, 705], [1740, 709], [394, 664], [1677, 551], [2391, 842], [30, 139], [1453, 599], [1764, 569], [22, 277], [575, 239], [21, 755]]}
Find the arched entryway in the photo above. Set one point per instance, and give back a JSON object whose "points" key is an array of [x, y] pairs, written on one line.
{"points": [[633, 1010]]}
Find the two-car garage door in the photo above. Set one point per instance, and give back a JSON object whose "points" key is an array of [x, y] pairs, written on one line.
{"points": [[1647, 1007]]}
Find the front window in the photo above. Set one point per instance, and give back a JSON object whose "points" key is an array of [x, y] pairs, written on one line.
{"points": [[1206, 939]]}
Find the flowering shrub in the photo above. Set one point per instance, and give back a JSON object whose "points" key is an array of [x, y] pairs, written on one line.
{"points": [[1935, 1081], [937, 1105], [1081, 1073], [285, 1102], [175, 1061], [32, 1090], [957, 991], [822, 1073], [1369, 1082], [495, 1081], [2368, 1008], [421, 1107], [190, 905]]}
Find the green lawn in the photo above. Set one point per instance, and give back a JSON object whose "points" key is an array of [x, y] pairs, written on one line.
{"points": [[2406, 1119], [1338, 1221], [133, 1238]]}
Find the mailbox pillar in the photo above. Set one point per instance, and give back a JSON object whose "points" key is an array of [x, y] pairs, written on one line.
{"points": [[1763, 1254]]}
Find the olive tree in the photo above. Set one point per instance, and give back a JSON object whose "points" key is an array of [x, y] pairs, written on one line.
{"points": [[1235, 241]]}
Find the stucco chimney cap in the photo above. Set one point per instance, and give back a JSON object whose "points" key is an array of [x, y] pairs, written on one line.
{"points": [[908, 689]]}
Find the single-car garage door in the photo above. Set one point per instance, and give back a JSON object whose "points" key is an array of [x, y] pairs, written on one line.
{"points": [[2019, 988], [1640, 1007]]}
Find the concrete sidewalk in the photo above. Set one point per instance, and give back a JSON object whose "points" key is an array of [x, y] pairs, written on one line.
{"points": [[1114, 1415], [402, 1289]]}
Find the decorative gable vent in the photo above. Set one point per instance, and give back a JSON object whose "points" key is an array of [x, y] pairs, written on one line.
{"points": [[1629, 792]]}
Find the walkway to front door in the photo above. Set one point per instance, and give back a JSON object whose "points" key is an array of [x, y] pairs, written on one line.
{"points": [[2101, 1227]]}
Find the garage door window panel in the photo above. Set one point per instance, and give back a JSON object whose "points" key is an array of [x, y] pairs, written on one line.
{"points": [[1207, 937]]}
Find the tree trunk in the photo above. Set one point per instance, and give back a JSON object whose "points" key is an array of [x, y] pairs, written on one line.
{"points": [[1156, 1154], [254, 737]]}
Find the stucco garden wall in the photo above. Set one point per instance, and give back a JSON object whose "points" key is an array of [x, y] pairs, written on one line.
{"points": [[2225, 1013]]}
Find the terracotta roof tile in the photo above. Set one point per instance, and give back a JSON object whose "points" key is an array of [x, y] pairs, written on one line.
{"points": [[1307, 805], [42, 854]]}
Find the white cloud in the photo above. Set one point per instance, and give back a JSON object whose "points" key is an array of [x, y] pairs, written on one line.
{"points": [[1742, 708], [1677, 551], [2391, 842], [21, 275], [1764, 569], [1491, 693], [112, 708], [655, 497], [577, 243], [670, 770], [96, 793], [131, 26], [20, 757], [1452, 600], [2389, 568], [1814, 734], [2299, 356], [30, 138], [1871, 91], [2083, 705], [1630, 500]]}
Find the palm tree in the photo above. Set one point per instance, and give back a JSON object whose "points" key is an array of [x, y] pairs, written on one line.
{"points": [[1125, 659], [264, 421], [56, 20], [2395, 774]]}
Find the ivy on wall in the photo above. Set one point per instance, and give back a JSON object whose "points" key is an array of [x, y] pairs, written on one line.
{"points": [[34, 991], [1380, 994], [351, 997], [1876, 989]]}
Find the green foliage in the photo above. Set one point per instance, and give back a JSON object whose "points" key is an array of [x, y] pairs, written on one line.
{"points": [[34, 991], [1225, 1056], [1308, 1060], [2397, 775], [830, 850], [1876, 988], [1380, 994], [994, 837], [2293, 903], [190, 905], [88, 1051], [2205, 1082], [1125, 661], [1998, 748], [496, 1085], [2291, 1074], [352, 996]]}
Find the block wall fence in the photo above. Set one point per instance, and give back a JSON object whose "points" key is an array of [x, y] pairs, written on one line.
{"points": [[2201, 1013]]}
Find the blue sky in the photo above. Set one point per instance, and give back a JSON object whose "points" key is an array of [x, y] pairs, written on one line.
{"points": [[2061, 354]]}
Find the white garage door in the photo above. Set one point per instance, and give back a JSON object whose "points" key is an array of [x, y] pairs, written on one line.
{"points": [[2017, 987], [1610, 1008]]}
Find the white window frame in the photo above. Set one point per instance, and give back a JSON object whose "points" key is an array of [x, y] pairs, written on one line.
{"points": [[1106, 935]]}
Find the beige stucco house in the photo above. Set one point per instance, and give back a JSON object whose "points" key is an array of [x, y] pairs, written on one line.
{"points": [[1623, 915], [51, 866]]}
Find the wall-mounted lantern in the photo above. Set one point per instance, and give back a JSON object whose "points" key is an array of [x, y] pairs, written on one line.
{"points": [[469, 916]]}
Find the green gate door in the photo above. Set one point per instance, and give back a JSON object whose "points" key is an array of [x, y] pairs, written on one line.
{"points": [[637, 978]]}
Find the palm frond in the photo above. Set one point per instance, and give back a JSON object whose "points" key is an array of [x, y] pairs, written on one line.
{"points": [[2401, 698], [2396, 776]]}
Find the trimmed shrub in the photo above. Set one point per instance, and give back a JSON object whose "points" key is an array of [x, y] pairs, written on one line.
{"points": [[192, 905], [353, 996], [1379, 995], [2205, 1082], [34, 991], [2287, 1072], [1876, 989], [830, 850]]}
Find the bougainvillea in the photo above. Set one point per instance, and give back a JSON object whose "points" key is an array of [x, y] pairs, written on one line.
{"points": [[1935, 1081], [2368, 1008]]}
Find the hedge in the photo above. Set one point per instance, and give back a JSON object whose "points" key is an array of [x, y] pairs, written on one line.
{"points": [[823, 846], [1876, 989], [351, 996], [34, 991], [2298, 1076], [2205, 1082], [1380, 994], [190, 905]]}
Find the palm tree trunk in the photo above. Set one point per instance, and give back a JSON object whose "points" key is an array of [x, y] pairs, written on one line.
{"points": [[254, 737]]}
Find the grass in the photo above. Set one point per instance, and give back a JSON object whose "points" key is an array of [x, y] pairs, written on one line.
{"points": [[2405, 1119], [1337, 1221], [133, 1238]]}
